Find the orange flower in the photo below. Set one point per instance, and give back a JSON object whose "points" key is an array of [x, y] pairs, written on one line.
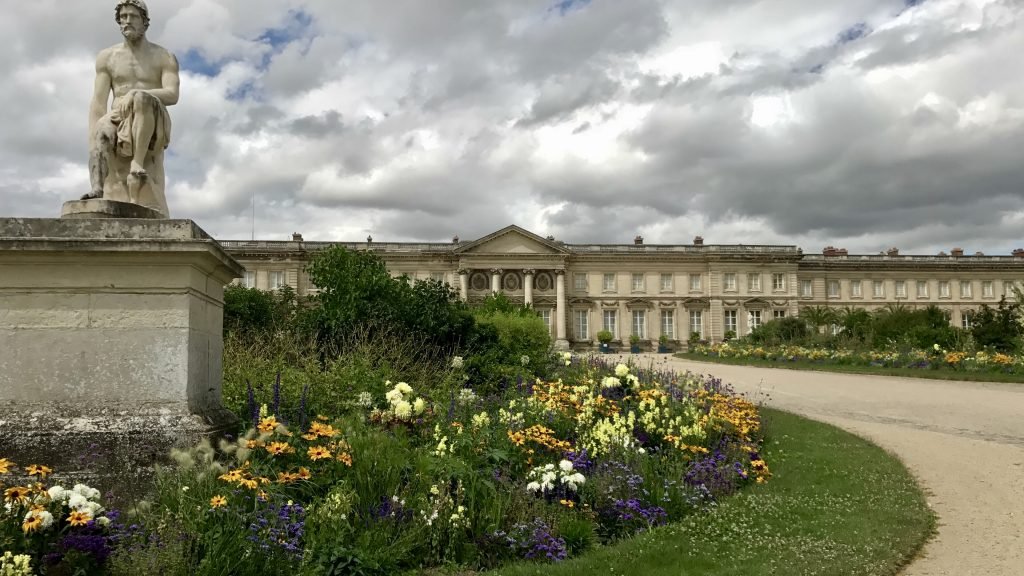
{"points": [[248, 483], [267, 425], [287, 477], [346, 458], [304, 474], [318, 453], [17, 494], [252, 444], [325, 430], [38, 470], [78, 518], [278, 448], [218, 501], [5, 465]]}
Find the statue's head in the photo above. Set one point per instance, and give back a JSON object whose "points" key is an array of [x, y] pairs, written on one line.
{"points": [[133, 18]]}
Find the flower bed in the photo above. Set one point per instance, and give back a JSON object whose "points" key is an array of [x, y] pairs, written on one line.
{"points": [[402, 480], [935, 358]]}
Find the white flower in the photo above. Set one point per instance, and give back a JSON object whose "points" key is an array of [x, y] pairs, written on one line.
{"points": [[103, 521], [610, 382], [90, 493], [47, 519], [419, 406], [621, 370], [466, 396], [549, 466], [565, 465], [532, 487], [404, 388], [58, 493], [403, 410], [566, 356], [78, 502], [641, 451], [394, 498], [393, 397], [365, 399], [456, 361], [524, 359]]}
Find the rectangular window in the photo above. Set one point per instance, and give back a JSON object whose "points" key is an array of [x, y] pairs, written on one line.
{"points": [[668, 324], [640, 323], [581, 322], [806, 288], [901, 289], [730, 321], [855, 289], [250, 279], [580, 282], [922, 288], [753, 319], [276, 279], [778, 282], [1008, 289], [944, 289], [987, 290], [638, 282], [437, 277], [878, 289], [833, 288], [753, 282], [666, 282], [697, 322], [730, 281], [545, 315], [967, 320], [778, 314], [695, 283], [608, 283], [608, 322], [966, 289]]}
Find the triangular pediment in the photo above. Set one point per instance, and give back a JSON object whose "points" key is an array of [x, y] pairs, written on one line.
{"points": [[512, 240]]}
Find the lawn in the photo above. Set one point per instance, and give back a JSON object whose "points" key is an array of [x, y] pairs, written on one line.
{"points": [[933, 374], [836, 505]]}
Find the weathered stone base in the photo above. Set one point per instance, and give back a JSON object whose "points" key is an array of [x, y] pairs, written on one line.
{"points": [[115, 451], [102, 208]]}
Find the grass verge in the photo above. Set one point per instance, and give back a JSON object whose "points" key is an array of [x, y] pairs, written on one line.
{"points": [[837, 505], [938, 374]]}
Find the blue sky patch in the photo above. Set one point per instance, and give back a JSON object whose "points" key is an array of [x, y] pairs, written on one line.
{"points": [[855, 32], [563, 7], [193, 61]]}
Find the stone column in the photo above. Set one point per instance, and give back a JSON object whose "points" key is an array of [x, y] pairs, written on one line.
{"points": [[496, 280], [561, 343], [528, 287], [464, 284]]}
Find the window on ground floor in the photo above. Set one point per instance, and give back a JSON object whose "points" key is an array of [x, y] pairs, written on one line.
{"points": [[276, 279], [609, 323], [753, 319], [668, 324], [697, 323], [778, 314], [250, 279], [581, 324], [640, 324], [730, 321]]}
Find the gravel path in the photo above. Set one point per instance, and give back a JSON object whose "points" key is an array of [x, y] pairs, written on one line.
{"points": [[964, 441]]}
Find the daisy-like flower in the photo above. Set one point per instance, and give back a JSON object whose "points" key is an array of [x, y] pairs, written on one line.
{"points": [[249, 483], [278, 448], [33, 521], [17, 494], [403, 410], [38, 470], [345, 458], [267, 425], [231, 476], [79, 518], [304, 474], [325, 430], [309, 437], [318, 453], [286, 477], [218, 501], [5, 465]]}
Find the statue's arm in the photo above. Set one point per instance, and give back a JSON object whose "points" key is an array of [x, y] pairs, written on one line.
{"points": [[100, 93], [170, 82]]}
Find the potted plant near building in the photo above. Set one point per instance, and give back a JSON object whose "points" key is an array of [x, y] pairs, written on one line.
{"points": [[605, 339], [634, 344], [663, 344]]}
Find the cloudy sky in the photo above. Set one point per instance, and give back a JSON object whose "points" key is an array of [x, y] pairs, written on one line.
{"points": [[861, 124]]}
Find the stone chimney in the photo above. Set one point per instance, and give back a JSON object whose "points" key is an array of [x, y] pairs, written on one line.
{"points": [[893, 251], [698, 241], [369, 239], [1018, 253], [296, 237], [455, 239], [957, 252], [550, 238], [638, 240], [830, 251]]}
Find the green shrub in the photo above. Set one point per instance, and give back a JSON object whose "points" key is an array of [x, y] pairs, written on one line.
{"points": [[782, 330], [509, 342], [254, 312], [999, 329]]}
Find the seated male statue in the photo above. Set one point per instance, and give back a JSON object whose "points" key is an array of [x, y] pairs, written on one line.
{"points": [[126, 144]]}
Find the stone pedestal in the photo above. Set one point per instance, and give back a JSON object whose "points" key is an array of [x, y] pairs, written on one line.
{"points": [[110, 342], [103, 208]]}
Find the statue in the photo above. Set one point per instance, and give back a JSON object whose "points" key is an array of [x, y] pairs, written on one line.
{"points": [[126, 143]]}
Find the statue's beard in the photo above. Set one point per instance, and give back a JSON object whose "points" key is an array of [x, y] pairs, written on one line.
{"points": [[131, 34]]}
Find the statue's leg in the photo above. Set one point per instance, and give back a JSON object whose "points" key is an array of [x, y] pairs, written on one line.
{"points": [[143, 125], [101, 148]]}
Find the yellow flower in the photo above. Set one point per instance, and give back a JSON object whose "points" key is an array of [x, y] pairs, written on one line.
{"points": [[304, 474], [318, 453], [262, 495], [18, 494], [38, 470], [287, 477], [322, 417], [232, 476], [5, 465], [218, 501], [278, 448], [32, 523], [325, 430], [346, 458], [78, 518], [248, 483], [309, 437], [567, 503], [268, 424]]}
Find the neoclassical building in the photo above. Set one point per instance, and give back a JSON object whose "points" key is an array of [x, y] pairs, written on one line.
{"points": [[651, 290]]}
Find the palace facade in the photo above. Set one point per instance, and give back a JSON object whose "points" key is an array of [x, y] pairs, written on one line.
{"points": [[653, 290]]}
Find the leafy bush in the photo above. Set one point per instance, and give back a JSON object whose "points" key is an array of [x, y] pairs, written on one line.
{"points": [[254, 312], [781, 330], [999, 329]]}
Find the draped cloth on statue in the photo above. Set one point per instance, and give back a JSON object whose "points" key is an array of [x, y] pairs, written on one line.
{"points": [[122, 114]]}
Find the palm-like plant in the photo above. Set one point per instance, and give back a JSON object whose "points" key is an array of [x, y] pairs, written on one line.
{"points": [[818, 316]]}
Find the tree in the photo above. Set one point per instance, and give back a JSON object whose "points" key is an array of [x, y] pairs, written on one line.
{"points": [[254, 312], [818, 316], [999, 329]]}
